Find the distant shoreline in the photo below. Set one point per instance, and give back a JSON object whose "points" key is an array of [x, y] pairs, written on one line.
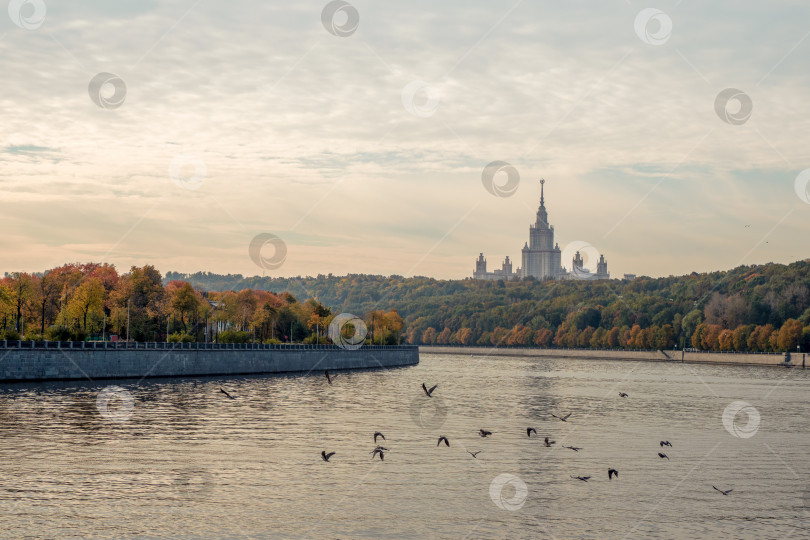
{"points": [[688, 357]]}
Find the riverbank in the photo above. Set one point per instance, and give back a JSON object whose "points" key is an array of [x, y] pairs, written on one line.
{"points": [[49, 361], [745, 359]]}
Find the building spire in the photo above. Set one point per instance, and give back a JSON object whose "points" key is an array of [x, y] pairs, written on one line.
{"points": [[542, 215], [542, 201]]}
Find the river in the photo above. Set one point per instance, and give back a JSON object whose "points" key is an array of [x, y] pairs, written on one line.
{"points": [[178, 458]]}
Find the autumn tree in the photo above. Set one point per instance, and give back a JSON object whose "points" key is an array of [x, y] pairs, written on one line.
{"points": [[88, 298], [789, 335]]}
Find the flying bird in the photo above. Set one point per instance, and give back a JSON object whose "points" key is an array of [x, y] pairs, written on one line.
{"points": [[548, 443], [529, 431], [611, 473], [474, 454], [561, 418], [574, 448], [726, 492], [622, 394], [662, 456], [666, 443], [326, 456], [443, 438], [484, 433], [226, 393], [379, 450], [583, 478], [378, 434], [429, 392], [328, 377]]}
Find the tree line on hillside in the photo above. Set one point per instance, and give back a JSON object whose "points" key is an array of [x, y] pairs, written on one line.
{"points": [[763, 308], [77, 301]]}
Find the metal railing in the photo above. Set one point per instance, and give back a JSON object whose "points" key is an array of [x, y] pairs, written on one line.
{"points": [[517, 347], [153, 345]]}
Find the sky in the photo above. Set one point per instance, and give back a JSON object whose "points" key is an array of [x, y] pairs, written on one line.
{"points": [[333, 137]]}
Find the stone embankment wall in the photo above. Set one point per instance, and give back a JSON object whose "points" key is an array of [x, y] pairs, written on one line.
{"points": [[773, 359], [76, 361]]}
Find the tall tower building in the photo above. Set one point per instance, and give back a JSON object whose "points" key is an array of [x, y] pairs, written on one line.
{"points": [[541, 256]]}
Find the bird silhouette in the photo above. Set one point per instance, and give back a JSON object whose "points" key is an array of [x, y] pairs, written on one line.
{"points": [[443, 438], [326, 456], [484, 433], [226, 393], [474, 454], [574, 448], [561, 418], [548, 443], [583, 478], [622, 394], [529, 431], [726, 492], [429, 393], [328, 377], [378, 434], [666, 443], [662, 456], [379, 450], [612, 473]]}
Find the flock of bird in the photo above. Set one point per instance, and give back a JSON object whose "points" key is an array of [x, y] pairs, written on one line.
{"points": [[380, 450]]}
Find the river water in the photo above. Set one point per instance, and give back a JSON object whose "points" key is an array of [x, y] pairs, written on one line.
{"points": [[181, 459]]}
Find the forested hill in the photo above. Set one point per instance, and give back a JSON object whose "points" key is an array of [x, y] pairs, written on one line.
{"points": [[569, 313]]}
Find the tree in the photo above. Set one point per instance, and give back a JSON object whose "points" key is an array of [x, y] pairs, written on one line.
{"points": [[429, 336], [185, 302], [690, 323], [613, 338], [462, 337], [740, 336], [88, 298], [725, 340], [789, 335], [598, 339], [543, 337], [22, 294]]}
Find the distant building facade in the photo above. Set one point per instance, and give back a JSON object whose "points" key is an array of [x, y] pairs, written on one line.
{"points": [[541, 257], [504, 273]]}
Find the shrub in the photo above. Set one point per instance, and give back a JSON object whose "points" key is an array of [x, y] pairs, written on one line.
{"points": [[177, 337], [233, 336]]}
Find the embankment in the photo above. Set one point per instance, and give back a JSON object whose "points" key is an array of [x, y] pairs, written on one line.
{"points": [[25, 361], [747, 359]]}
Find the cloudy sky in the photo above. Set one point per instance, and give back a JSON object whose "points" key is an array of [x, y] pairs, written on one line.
{"points": [[357, 134]]}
